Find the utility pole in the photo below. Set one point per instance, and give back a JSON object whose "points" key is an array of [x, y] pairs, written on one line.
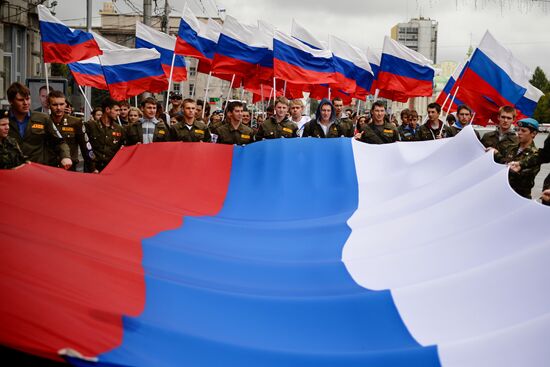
{"points": [[147, 11], [88, 90], [166, 18]]}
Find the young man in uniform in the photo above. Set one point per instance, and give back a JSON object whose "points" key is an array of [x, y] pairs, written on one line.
{"points": [[522, 158], [504, 137], [149, 129], [176, 104], [11, 155], [296, 110], [72, 130], [325, 124], [234, 131], [379, 131], [464, 114], [106, 135], [190, 129], [36, 135], [124, 109], [434, 128], [344, 120], [246, 117], [278, 126]]}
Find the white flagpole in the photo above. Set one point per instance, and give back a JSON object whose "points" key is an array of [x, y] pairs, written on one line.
{"points": [[376, 92], [228, 94], [274, 88], [206, 93], [85, 98], [445, 102], [329, 92], [284, 89], [269, 99], [196, 80], [47, 80], [452, 101], [242, 91], [262, 97], [135, 101], [170, 81]]}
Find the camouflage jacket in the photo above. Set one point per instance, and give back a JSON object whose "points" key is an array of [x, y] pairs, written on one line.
{"points": [[528, 159], [11, 155], [502, 143]]}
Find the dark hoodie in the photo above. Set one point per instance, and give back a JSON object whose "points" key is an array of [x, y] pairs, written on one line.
{"points": [[314, 129]]}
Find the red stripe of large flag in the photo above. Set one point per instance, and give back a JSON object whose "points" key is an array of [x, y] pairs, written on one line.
{"points": [[134, 71], [61, 44], [494, 78], [299, 63], [404, 72], [197, 39], [147, 37]]}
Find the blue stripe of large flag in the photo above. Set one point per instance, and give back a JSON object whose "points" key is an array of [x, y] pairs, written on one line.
{"points": [[362, 77], [262, 283]]}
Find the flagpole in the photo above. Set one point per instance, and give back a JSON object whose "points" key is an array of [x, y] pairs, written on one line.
{"points": [[262, 97], [170, 81], [445, 102], [274, 88], [206, 93], [196, 80], [329, 92], [228, 94], [46, 74], [242, 91], [452, 101], [85, 98], [284, 89], [269, 99], [376, 92]]}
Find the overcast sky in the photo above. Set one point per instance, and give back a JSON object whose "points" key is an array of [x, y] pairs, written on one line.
{"points": [[523, 26]]}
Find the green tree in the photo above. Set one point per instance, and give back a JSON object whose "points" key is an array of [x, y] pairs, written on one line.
{"points": [[542, 112], [540, 81]]}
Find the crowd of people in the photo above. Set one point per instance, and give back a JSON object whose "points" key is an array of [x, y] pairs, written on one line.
{"points": [[56, 138]]}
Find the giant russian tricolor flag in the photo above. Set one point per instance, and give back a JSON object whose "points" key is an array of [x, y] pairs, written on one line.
{"points": [[197, 39], [366, 273], [298, 63], [404, 71], [61, 44], [133, 71], [147, 37]]}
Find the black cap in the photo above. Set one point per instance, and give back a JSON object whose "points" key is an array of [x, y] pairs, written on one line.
{"points": [[4, 114], [174, 95]]}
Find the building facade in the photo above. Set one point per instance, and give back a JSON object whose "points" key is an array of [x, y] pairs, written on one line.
{"points": [[20, 54], [418, 34]]}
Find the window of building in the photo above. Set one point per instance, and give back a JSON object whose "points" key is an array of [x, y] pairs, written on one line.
{"points": [[192, 71], [191, 89], [14, 55]]}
